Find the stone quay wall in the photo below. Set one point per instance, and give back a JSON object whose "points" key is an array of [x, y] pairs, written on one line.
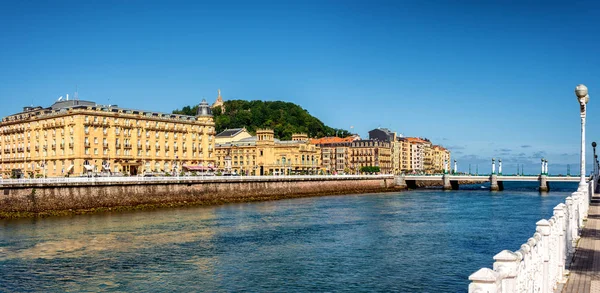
{"points": [[33, 197]]}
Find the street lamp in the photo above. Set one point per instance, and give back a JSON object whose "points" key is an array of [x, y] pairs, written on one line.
{"points": [[594, 147], [542, 173], [499, 166], [581, 91]]}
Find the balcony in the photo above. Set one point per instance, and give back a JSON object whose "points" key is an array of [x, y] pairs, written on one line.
{"points": [[53, 146], [86, 144], [62, 145], [127, 146], [105, 145], [71, 145], [118, 145]]}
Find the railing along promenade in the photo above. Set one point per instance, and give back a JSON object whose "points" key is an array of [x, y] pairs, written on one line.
{"points": [[179, 179], [540, 263]]}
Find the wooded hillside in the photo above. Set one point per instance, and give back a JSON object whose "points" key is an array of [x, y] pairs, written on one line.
{"points": [[283, 117]]}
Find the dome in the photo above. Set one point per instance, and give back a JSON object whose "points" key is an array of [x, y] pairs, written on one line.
{"points": [[204, 109]]}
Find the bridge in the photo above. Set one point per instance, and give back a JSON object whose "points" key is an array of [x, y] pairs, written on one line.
{"points": [[451, 182]]}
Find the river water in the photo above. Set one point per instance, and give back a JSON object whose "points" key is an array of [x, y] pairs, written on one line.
{"points": [[415, 241]]}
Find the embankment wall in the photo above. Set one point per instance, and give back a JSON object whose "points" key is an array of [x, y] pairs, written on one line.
{"points": [[40, 198]]}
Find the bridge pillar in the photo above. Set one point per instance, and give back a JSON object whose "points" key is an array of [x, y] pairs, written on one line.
{"points": [[447, 184], [543, 183], [494, 183], [400, 182]]}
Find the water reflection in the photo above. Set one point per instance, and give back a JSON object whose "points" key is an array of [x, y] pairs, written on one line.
{"points": [[376, 242]]}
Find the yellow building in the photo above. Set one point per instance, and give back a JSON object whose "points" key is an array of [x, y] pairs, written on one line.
{"points": [[263, 154], [76, 137], [440, 155]]}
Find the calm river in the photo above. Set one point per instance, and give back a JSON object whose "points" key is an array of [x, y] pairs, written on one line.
{"points": [[416, 241]]}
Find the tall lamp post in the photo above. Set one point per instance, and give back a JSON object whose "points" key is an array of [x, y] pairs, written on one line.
{"points": [[581, 91], [594, 148]]}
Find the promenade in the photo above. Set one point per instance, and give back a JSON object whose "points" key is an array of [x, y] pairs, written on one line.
{"points": [[585, 268]]}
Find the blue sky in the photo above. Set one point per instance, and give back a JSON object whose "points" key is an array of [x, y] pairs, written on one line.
{"points": [[486, 79]]}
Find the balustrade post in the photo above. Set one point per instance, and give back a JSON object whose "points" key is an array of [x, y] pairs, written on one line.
{"points": [[561, 219], [571, 226], [525, 278], [552, 253], [543, 228], [485, 280], [578, 198], [507, 265], [536, 261]]}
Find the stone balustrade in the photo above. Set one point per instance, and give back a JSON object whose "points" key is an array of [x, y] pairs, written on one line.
{"points": [[539, 264]]}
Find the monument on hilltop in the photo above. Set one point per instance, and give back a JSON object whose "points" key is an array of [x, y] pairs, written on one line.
{"points": [[219, 102]]}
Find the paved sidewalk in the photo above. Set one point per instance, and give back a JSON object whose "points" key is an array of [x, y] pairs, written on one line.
{"points": [[585, 269]]}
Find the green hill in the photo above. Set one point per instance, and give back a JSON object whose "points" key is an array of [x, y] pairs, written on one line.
{"points": [[283, 117]]}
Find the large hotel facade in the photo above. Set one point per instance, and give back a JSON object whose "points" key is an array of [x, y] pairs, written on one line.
{"points": [[76, 137]]}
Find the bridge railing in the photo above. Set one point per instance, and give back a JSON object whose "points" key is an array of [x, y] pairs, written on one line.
{"points": [[123, 179], [539, 264]]}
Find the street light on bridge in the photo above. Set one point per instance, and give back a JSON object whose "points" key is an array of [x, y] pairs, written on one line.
{"points": [[581, 91], [499, 166]]}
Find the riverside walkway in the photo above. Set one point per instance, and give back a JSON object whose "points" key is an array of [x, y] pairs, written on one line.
{"points": [[585, 268]]}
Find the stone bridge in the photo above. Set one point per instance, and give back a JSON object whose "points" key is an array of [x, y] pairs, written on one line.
{"points": [[450, 182]]}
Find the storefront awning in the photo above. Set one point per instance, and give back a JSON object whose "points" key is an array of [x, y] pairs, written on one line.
{"points": [[88, 167], [198, 168]]}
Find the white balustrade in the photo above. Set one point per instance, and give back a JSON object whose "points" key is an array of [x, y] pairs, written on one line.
{"points": [[539, 265], [199, 178]]}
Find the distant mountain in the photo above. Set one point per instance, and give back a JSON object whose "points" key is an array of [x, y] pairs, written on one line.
{"points": [[283, 117]]}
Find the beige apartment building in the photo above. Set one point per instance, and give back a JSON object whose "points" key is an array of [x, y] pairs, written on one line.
{"points": [[375, 153], [335, 153], [439, 155], [76, 137], [263, 154]]}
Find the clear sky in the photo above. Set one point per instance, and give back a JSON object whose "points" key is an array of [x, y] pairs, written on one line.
{"points": [[486, 79]]}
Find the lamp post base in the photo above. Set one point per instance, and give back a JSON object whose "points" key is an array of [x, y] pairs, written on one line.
{"points": [[582, 186]]}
